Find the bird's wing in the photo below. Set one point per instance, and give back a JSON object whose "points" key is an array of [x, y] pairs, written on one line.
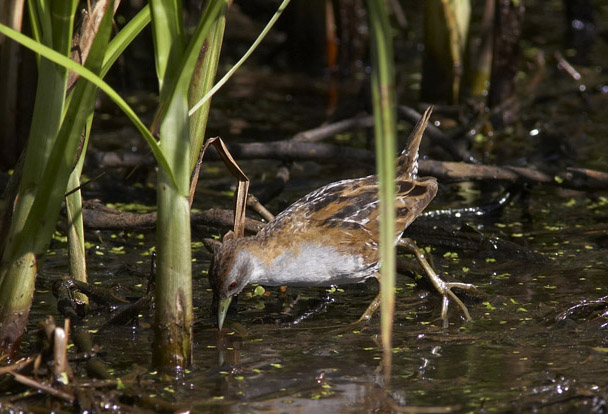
{"points": [[412, 198], [341, 197], [348, 212]]}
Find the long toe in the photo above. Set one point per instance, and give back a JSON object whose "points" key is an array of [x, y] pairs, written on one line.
{"points": [[460, 285], [451, 295]]}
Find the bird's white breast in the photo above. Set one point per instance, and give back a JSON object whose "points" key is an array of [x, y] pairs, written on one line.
{"points": [[312, 265]]}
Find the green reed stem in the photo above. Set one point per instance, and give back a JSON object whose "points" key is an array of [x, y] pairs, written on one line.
{"points": [[242, 60], [383, 79]]}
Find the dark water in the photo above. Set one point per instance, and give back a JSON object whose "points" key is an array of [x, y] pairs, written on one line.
{"points": [[295, 351]]}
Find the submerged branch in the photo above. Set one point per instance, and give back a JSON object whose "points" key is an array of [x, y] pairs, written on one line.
{"points": [[287, 150], [584, 309], [574, 178], [46, 389], [97, 216]]}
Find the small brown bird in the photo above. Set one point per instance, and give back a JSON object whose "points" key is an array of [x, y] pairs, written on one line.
{"points": [[330, 237]]}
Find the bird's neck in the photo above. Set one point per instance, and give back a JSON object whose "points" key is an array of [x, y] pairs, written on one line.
{"points": [[260, 258]]}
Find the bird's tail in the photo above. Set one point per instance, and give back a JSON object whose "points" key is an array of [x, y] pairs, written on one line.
{"points": [[407, 164]]}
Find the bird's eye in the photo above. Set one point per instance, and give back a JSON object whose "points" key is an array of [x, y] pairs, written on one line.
{"points": [[232, 285]]}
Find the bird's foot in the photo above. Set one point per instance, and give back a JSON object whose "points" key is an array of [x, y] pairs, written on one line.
{"points": [[444, 288]]}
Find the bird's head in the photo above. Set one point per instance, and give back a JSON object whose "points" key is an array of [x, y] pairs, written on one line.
{"points": [[231, 270]]}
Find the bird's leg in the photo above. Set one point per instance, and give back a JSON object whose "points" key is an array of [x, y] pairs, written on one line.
{"points": [[369, 312], [444, 288]]}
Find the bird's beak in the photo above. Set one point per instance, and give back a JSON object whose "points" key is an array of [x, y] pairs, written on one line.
{"points": [[222, 309]]}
